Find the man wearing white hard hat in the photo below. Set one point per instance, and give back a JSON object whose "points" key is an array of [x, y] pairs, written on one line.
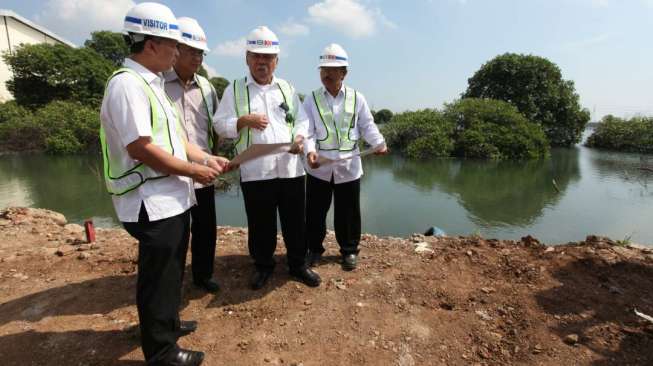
{"points": [[264, 109], [339, 118], [149, 169], [197, 101]]}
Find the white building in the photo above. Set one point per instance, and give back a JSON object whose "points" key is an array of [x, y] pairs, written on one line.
{"points": [[14, 31]]}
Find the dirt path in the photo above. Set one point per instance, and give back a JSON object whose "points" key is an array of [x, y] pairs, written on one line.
{"points": [[457, 301]]}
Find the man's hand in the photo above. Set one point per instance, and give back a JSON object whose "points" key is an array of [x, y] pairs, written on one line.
{"points": [[256, 121], [312, 160], [203, 174], [297, 145], [218, 163], [382, 151]]}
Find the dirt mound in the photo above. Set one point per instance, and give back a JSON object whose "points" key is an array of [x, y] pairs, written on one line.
{"points": [[413, 301]]}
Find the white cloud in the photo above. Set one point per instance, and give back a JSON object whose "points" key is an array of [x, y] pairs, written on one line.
{"points": [[292, 28], [76, 19], [233, 48], [348, 16], [589, 42], [210, 70]]}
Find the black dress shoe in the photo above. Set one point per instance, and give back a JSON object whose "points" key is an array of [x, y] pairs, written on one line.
{"points": [[307, 276], [349, 262], [313, 258], [184, 357], [187, 327], [259, 279], [208, 285]]}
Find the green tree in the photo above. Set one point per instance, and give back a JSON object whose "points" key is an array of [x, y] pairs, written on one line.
{"points": [[382, 116], [220, 84], [535, 86], [111, 45], [43, 72], [420, 134], [614, 133], [494, 129], [10, 111], [202, 72]]}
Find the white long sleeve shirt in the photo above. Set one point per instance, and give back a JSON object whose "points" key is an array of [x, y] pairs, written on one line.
{"points": [[125, 116], [345, 170], [264, 99]]}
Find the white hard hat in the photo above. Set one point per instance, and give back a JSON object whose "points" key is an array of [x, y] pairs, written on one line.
{"points": [[334, 55], [262, 40], [152, 19], [192, 34]]}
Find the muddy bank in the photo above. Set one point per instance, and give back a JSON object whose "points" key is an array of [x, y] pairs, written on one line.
{"points": [[412, 301]]}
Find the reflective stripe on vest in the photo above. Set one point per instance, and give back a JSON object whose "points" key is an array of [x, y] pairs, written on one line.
{"points": [[121, 179], [337, 137], [242, 104], [208, 92]]}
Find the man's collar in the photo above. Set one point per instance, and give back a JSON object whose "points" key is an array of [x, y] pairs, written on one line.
{"points": [[341, 91], [250, 80], [145, 73], [171, 75]]}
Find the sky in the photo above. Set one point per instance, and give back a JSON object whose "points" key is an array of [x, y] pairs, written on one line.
{"points": [[407, 55]]}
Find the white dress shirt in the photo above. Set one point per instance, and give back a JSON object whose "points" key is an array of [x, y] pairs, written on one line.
{"points": [[345, 170], [194, 118], [264, 99], [125, 116]]}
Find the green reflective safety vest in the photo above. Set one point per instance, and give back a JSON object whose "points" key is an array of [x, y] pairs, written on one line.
{"points": [[208, 92], [121, 179], [337, 137], [241, 101]]}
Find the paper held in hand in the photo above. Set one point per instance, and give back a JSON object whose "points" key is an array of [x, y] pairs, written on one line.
{"points": [[323, 161], [258, 150]]}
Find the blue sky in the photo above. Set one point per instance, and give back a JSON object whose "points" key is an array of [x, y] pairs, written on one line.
{"points": [[412, 54]]}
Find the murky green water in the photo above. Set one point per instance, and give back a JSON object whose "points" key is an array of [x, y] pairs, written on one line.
{"points": [[598, 193]]}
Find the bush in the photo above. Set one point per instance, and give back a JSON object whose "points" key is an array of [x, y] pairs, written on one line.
{"points": [[535, 86], [11, 110], [493, 129], [58, 128], [613, 133], [420, 134], [43, 72]]}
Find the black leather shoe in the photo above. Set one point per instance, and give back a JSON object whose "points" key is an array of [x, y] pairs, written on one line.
{"points": [[187, 327], [313, 258], [208, 285], [307, 276], [259, 279], [349, 262], [184, 357]]}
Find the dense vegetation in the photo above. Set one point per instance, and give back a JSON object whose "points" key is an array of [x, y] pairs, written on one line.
{"points": [[535, 86], [57, 94], [471, 128], [633, 135]]}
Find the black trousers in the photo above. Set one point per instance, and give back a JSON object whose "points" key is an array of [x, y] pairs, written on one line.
{"points": [[204, 234], [162, 247], [346, 218], [262, 200]]}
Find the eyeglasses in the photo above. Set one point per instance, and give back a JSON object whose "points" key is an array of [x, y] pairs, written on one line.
{"points": [[190, 51]]}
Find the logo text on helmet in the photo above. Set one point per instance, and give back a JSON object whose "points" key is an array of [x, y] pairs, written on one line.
{"points": [[153, 23]]}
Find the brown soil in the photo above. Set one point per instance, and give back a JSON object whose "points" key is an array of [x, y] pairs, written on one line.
{"points": [[456, 301]]}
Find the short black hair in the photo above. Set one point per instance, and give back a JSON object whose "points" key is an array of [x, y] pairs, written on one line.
{"points": [[136, 47]]}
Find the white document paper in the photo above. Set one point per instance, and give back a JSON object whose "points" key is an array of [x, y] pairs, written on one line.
{"points": [[323, 161], [258, 150]]}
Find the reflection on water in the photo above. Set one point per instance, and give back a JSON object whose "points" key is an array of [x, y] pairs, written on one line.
{"points": [[597, 192], [496, 193]]}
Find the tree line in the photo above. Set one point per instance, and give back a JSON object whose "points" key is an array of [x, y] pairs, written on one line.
{"points": [[515, 106]]}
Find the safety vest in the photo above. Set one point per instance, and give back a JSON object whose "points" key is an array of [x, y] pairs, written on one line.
{"points": [[120, 178], [337, 137], [208, 92], [241, 101]]}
